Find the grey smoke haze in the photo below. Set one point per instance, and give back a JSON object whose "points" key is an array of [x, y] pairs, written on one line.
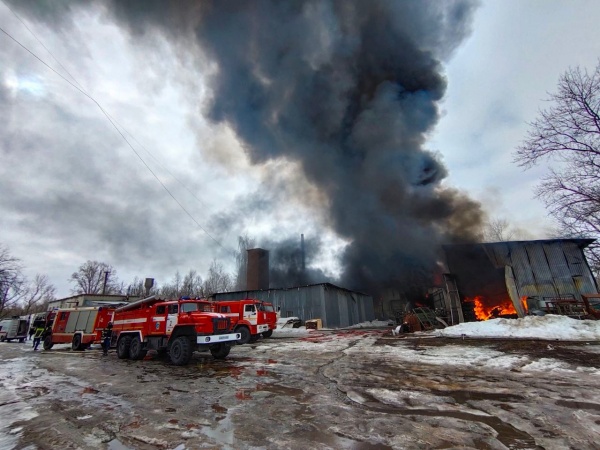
{"points": [[350, 91]]}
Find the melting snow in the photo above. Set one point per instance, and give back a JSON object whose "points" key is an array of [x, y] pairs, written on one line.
{"points": [[549, 327]]}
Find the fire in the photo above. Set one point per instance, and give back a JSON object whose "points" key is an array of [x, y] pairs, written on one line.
{"points": [[485, 312]]}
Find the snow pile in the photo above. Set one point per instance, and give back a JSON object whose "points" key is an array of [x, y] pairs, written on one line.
{"points": [[285, 328], [550, 327], [372, 324]]}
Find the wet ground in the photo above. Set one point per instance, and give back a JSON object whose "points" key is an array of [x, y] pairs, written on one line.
{"points": [[361, 390]]}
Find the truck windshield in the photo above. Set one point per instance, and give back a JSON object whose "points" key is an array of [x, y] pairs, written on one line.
{"points": [[191, 307], [267, 308]]}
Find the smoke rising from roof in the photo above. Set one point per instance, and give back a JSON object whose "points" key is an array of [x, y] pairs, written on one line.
{"points": [[349, 91]]}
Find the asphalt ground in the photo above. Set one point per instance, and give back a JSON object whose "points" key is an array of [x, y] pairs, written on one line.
{"points": [[341, 390]]}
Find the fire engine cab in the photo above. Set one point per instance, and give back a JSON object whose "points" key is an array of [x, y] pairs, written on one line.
{"points": [[178, 327], [251, 318]]}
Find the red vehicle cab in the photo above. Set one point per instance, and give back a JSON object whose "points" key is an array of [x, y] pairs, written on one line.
{"points": [[249, 317]]}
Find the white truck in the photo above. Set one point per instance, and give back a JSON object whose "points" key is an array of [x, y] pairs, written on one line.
{"points": [[13, 328]]}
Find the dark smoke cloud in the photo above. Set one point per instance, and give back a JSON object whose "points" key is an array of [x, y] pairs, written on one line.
{"points": [[286, 262], [350, 91]]}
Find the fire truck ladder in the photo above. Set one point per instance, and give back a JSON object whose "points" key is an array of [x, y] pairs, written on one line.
{"points": [[453, 300]]}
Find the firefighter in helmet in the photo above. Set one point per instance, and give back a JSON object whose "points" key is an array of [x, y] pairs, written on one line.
{"points": [[106, 335]]}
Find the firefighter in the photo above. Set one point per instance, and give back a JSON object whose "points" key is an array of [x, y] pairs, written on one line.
{"points": [[37, 336], [106, 335]]}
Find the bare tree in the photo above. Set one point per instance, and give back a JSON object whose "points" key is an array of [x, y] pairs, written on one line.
{"points": [[11, 281], [497, 230], [192, 285], [569, 133], [36, 294], [245, 243], [217, 280], [95, 277], [172, 289]]}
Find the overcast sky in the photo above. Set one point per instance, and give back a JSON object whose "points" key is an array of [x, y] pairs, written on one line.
{"points": [[72, 189]]}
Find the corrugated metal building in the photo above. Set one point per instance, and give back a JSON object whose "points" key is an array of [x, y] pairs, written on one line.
{"points": [[535, 270], [335, 306]]}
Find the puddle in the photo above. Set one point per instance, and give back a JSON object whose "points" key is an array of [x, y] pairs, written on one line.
{"points": [[223, 434], [115, 444]]}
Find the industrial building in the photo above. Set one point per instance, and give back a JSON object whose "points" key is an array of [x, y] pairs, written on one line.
{"points": [[530, 275], [335, 306]]}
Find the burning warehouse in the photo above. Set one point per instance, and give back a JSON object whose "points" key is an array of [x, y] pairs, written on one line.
{"points": [[516, 278]]}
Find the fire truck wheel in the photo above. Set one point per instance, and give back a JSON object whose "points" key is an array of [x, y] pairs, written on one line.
{"points": [[123, 347], [2, 338], [245, 335], [220, 351], [268, 334], [48, 343], [136, 348], [76, 344], [181, 351]]}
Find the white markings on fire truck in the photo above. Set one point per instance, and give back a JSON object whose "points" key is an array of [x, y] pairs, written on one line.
{"points": [[125, 321], [159, 319]]}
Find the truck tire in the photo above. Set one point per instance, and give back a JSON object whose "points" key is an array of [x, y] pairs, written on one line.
{"points": [[180, 351], [136, 348], [2, 338], [123, 347], [76, 344], [220, 351], [48, 343], [245, 334], [268, 334]]}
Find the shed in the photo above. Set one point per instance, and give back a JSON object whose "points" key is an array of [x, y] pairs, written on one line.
{"points": [[530, 272], [337, 307]]}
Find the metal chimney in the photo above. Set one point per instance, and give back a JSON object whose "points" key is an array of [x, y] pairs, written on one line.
{"points": [[302, 252], [148, 283]]}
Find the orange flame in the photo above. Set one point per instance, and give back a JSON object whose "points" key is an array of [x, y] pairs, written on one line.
{"points": [[486, 312]]}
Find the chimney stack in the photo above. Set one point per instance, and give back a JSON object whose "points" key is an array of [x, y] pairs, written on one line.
{"points": [[257, 274]]}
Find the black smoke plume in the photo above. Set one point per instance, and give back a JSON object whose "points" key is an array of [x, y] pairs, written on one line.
{"points": [[350, 91]]}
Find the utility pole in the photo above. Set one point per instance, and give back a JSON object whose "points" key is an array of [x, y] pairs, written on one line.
{"points": [[105, 280]]}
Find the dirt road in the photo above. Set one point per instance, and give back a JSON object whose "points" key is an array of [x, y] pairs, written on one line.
{"points": [[345, 390]]}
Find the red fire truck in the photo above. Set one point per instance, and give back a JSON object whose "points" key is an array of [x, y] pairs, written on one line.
{"points": [[81, 327], [250, 317], [178, 327]]}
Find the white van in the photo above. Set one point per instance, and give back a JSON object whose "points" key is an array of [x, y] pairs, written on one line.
{"points": [[14, 328]]}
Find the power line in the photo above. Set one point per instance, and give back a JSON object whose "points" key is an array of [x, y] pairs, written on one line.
{"points": [[113, 123]]}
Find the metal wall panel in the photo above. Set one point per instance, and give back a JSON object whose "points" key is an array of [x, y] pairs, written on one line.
{"points": [[560, 270], [542, 274], [579, 268], [521, 265]]}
